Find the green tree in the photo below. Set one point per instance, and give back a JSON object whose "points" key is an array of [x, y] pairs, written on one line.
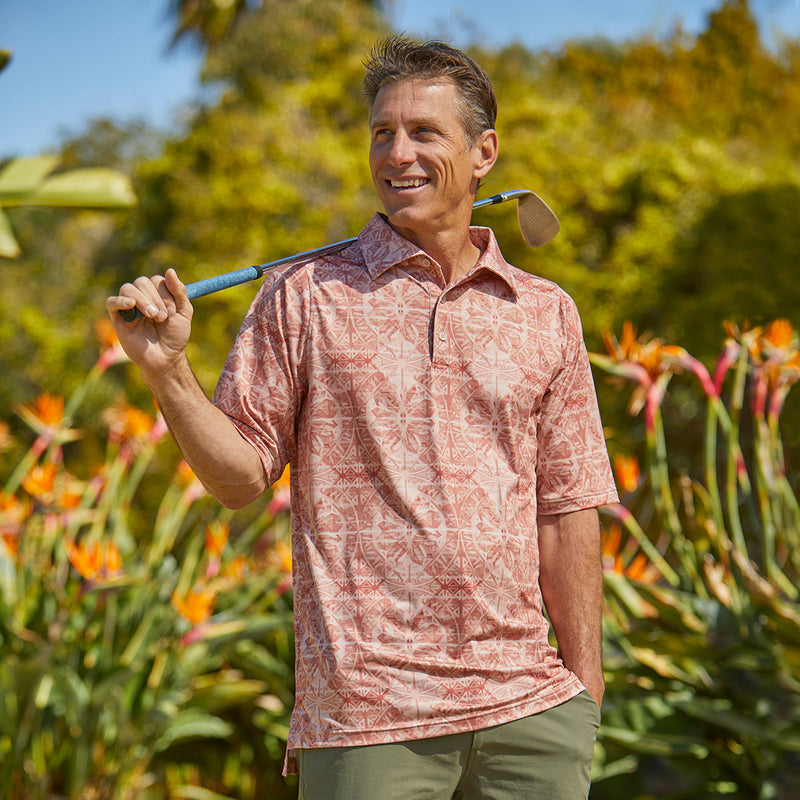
{"points": [[210, 22]]}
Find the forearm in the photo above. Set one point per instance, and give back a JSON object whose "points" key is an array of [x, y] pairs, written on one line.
{"points": [[571, 580], [228, 466]]}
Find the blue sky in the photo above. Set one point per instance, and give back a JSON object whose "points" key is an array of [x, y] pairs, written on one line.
{"points": [[78, 59]]}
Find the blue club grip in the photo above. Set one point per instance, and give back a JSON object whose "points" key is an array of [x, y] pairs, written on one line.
{"points": [[206, 286]]}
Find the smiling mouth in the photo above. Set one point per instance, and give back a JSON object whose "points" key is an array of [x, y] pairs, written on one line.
{"points": [[410, 183]]}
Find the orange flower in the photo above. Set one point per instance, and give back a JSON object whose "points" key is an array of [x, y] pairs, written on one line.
{"points": [[127, 423], [185, 473], [779, 348], [197, 606], [94, 560], [776, 356], [283, 555], [11, 541], [281, 494], [639, 569], [627, 471], [105, 333], [216, 538], [235, 569], [46, 417], [652, 355], [13, 510], [193, 489], [48, 409], [13, 513], [779, 335], [40, 481], [611, 541], [68, 500], [651, 364], [112, 352]]}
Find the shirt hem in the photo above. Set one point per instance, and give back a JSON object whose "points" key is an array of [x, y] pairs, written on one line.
{"points": [[421, 730], [578, 504]]}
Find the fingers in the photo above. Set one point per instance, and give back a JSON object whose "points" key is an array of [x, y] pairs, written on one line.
{"points": [[153, 296]]}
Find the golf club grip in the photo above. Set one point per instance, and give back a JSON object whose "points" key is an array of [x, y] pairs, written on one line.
{"points": [[206, 286]]}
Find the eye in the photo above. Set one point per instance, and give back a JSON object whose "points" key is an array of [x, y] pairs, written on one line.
{"points": [[426, 133]]}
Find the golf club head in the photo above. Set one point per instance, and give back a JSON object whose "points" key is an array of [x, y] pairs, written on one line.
{"points": [[537, 222]]}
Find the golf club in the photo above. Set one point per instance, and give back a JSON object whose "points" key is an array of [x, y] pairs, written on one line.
{"points": [[537, 223]]}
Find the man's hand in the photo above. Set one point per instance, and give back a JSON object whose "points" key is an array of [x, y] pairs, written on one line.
{"points": [[157, 339]]}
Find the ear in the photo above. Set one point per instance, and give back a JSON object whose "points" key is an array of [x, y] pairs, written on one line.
{"points": [[485, 150]]}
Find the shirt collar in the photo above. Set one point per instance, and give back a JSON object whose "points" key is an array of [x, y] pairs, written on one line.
{"points": [[383, 248]]}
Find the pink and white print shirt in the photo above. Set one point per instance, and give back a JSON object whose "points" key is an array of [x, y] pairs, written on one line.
{"points": [[426, 427]]}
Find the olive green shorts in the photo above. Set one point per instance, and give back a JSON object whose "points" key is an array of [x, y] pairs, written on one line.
{"points": [[546, 756]]}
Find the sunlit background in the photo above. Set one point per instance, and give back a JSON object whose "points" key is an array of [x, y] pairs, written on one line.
{"points": [[89, 58]]}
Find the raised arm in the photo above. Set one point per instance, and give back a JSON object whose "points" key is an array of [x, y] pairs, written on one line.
{"points": [[571, 580], [228, 466]]}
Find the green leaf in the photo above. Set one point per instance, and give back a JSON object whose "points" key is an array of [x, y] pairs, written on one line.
{"points": [[8, 244], [190, 725], [660, 744], [721, 714], [674, 607], [5, 57], [139, 639], [627, 765], [91, 188], [220, 694], [21, 176]]}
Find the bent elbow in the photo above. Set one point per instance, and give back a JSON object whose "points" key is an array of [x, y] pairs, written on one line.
{"points": [[235, 501], [236, 497]]}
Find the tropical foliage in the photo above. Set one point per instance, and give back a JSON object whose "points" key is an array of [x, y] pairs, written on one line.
{"points": [[145, 637], [703, 618]]}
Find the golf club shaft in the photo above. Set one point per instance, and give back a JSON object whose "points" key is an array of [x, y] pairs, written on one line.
{"points": [[228, 279]]}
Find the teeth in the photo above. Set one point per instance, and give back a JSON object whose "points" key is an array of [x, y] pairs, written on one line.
{"points": [[414, 182]]}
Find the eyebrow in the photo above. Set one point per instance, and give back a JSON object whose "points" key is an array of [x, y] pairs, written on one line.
{"points": [[380, 122]]}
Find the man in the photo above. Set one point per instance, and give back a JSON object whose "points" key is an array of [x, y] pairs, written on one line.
{"points": [[437, 410]]}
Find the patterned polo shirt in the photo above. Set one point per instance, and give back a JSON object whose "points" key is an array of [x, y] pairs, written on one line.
{"points": [[426, 427]]}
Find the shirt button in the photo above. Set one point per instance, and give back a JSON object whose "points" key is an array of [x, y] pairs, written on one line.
{"points": [[425, 262], [442, 337]]}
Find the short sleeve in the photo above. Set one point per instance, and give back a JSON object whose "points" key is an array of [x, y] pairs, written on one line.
{"points": [[572, 466], [261, 385]]}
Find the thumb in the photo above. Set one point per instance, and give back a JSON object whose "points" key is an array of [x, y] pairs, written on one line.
{"points": [[177, 289]]}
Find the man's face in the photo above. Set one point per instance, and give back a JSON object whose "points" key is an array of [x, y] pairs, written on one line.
{"points": [[423, 167]]}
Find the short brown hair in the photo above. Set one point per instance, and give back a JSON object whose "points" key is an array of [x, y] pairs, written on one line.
{"points": [[397, 58]]}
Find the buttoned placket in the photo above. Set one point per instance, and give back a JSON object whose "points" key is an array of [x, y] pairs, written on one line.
{"points": [[443, 336], [440, 330]]}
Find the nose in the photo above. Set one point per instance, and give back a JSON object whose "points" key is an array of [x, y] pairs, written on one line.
{"points": [[402, 150]]}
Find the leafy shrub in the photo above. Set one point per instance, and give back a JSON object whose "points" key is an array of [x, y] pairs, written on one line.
{"points": [[144, 652], [703, 621]]}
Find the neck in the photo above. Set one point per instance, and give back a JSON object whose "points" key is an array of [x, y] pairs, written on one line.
{"points": [[453, 251], [456, 258]]}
